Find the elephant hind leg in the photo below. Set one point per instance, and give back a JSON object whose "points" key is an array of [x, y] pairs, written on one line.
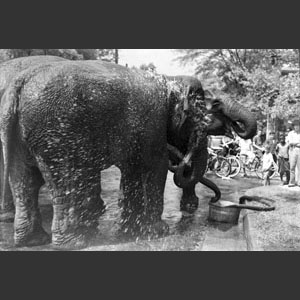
{"points": [[7, 210], [142, 204], [7, 207], [77, 206], [26, 182]]}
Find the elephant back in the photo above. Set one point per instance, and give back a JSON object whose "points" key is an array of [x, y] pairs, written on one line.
{"points": [[106, 105], [12, 68]]}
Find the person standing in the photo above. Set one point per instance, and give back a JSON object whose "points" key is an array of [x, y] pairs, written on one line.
{"points": [[246, 152], [273, 144], [293, 140], [282, 150], [258, 141], [267, 164]]}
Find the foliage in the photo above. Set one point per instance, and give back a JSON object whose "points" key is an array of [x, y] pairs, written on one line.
{"points": [[251, 76], [150, 67], [72, 54]]}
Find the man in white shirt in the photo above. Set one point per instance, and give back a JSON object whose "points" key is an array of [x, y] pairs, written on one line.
{"points": [[246, 153], [293, 140]]}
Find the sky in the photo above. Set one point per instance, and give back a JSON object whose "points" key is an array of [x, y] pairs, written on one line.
{"points": [[163, 59]]}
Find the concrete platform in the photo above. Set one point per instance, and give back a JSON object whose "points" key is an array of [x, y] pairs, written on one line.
{"points": [[228, 237], [244, 237]]}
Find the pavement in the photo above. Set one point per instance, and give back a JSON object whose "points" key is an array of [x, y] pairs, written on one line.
{"points": [[229, 237], [244, 236]]}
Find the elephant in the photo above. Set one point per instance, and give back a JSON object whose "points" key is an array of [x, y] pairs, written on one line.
{"points": [[62, 123], [223, 116], [9, 70]]}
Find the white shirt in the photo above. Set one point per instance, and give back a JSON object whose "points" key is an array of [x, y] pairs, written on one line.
{"points": [[293, 137], [245, 145], [267, 161], [216, 142]]}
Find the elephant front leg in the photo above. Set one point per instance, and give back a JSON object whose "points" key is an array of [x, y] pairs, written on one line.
{"points": [[26, 183], [189, 201], [143, 201]]}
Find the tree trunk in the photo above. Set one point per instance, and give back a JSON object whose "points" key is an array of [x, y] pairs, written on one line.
{"points": [[116, 56], [268, 126]]}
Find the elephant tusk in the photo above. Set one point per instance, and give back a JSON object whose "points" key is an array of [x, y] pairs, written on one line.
{"points": [[187, 159]]}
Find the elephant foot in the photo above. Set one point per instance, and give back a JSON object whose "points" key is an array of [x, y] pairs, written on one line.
{"points": [[80, 239], [7, 216], [36, 238], [189, 204], [156, 230], [147, 230]]}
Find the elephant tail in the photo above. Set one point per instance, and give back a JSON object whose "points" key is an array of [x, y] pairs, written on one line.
{"points": [[9, 118]]}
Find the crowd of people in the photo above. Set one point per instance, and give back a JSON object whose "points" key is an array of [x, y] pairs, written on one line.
{"points": [[285, 152]]}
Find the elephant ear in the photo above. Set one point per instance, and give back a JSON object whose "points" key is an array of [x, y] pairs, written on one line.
{"points": [[179, 103], [188, 97]]}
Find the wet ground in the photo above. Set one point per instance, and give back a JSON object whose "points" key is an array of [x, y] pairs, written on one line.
{"points": [[186, 231]]}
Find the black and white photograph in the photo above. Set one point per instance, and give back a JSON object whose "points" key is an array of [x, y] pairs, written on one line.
{"points": [[150, 150]]}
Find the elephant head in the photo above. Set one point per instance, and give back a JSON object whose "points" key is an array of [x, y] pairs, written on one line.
{"points": [[196, 114], [187, 130], [226, 115]]}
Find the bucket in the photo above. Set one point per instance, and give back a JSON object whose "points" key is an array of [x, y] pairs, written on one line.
{"points": [[229, 212], [220, 212]]}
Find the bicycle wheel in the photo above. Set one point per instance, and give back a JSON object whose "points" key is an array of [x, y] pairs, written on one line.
{"points": [[222, 167], [235, 166], [258, 169]]}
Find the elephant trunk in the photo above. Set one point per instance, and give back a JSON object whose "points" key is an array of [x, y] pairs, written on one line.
{"points": [[191, 169], [242, 120]]}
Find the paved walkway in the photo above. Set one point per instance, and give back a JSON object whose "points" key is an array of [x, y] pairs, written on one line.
{"points": [[227, 237], [243, 237]]}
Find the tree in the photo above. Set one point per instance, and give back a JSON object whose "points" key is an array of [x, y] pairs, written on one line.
{"points": [[150, 67], [251, 76], [72, 54], [6, 54], [111, 55], [88, 54]]}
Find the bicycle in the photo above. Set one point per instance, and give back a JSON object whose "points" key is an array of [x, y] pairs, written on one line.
{"points": [[231, 155], [256, 165], [218, 164], [252, 166]]}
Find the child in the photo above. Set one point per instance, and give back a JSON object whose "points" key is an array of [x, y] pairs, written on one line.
{"points": [[267, 161], [282, 150]]}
